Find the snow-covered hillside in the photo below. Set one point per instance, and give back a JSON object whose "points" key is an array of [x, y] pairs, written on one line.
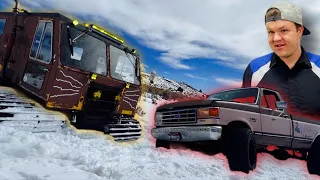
{"points": [[167, 84], [90, 156]]}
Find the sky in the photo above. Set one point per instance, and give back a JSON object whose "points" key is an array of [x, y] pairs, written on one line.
{"points": [[206, 44]]}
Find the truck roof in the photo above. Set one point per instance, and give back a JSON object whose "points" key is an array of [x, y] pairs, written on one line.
{"points": [[253, 87], [234, 89], [53, 15], [42, 14]]}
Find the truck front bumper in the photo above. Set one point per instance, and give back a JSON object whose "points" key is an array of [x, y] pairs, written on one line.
{"points": [[187, 133]]}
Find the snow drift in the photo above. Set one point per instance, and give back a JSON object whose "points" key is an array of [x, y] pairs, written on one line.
{"points": [[92, 156]]}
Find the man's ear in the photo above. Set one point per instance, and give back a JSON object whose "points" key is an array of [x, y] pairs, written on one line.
{"points": [[300, 30]]}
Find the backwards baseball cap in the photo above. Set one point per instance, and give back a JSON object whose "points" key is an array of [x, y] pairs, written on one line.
{"points": [[288, 11]]}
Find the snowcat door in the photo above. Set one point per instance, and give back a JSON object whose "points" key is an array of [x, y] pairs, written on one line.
{"points": [[40, 58], [5, 30]]}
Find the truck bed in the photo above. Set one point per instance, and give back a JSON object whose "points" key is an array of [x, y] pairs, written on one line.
{"points": [[305, 119]]}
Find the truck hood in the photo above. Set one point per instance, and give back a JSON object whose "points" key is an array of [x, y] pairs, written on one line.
{"points": [[186, 104], [206, 103]]}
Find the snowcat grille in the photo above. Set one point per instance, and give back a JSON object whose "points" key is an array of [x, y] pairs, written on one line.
{"points": [[182, 116], [100, 109]]}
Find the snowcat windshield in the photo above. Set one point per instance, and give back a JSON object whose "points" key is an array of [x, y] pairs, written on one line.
{"points": [[246, 95], [123, 66], [89, 53]]}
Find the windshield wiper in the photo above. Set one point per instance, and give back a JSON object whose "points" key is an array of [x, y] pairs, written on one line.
{"points": [[80, 35], [71, 41]]}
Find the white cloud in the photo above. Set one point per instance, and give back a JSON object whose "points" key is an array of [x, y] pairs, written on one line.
{"points": [[144, 66], [195, 77], [229, 82], [185, 29]]}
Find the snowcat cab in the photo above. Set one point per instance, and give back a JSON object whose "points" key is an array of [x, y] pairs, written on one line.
{"points": [[76, 68]]}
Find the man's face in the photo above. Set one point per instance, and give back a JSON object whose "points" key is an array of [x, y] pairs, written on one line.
{"points": [[283, 37]]}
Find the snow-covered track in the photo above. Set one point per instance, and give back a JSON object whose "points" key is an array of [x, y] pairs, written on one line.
{"points": [[23, 114], [126, 130]]}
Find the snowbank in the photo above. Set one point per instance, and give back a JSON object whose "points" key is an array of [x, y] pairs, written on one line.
{"points": [[90, 156]]}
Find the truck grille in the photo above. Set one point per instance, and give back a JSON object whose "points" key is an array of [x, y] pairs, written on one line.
{"points": [[179, 116]]}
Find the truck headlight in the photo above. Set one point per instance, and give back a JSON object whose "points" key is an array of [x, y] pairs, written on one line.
{"points": [[208, 112]]}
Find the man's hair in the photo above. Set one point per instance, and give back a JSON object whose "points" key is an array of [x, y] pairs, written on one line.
{"points": [[276, 12]]}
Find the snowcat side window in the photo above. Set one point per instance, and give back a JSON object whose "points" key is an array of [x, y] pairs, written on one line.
{"points": [[2, 25], [41, 48], [123, 66]]}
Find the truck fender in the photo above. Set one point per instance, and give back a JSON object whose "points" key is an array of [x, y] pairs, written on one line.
{"points": [[238, 124], [316, 137]]}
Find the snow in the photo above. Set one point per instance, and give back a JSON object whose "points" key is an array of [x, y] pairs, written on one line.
{"points": [[91, 156]]}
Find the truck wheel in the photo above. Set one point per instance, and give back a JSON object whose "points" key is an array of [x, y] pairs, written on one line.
{"points": [[241, 150], [313, 159], [161, 143]]}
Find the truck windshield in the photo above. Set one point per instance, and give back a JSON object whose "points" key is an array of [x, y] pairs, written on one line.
{"points": [[89, 53], [246, 95], [123, 66]]}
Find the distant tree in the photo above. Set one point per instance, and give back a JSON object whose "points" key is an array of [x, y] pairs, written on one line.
{"points": [[200, 90], [180, 89], [152, 76]]}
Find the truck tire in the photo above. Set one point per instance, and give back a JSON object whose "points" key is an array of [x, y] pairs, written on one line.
{"points": [[313, 159], [161, 143], [241, 150]]}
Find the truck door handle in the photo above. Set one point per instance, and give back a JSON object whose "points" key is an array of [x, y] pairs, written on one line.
{"points": [[273, 119]]}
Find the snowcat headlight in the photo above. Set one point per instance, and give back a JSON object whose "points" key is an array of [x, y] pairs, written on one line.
{"points": [[208, 112]]}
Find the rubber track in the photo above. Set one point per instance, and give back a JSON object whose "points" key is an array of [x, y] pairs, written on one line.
{"points": [[23, 114], [126, 130]]}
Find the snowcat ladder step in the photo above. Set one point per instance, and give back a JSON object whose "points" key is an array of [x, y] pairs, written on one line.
{"points": [[124, 129], [125, 134], [129, 138]]}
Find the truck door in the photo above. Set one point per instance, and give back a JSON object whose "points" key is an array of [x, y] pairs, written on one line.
{"points": [[5, 30], [40, 58], [275, 130]]}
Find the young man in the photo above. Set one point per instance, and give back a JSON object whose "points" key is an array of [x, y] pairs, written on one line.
{"points": [[290, 70]]}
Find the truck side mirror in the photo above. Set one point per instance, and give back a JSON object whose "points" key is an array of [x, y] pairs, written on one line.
{"points": [[281, 105]]}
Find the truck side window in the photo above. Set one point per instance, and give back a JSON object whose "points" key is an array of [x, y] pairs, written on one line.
{"points": [[264, 102], [270, 98], [2, 25], [42, 42]]}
